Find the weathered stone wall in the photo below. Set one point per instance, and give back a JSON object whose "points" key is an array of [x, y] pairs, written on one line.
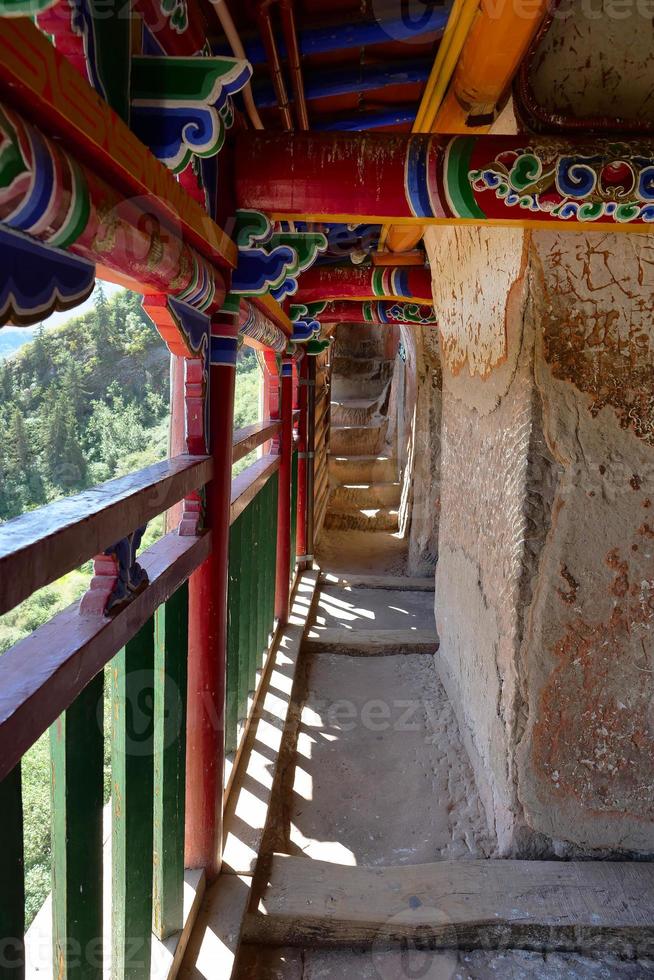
{"points": [[586, 760], [421, 427], [545, 582]]}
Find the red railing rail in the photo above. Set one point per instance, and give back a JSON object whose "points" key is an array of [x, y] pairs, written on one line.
{"points": [[44, 544]]}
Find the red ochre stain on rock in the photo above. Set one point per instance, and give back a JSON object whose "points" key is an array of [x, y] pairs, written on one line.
{"points": [[594, 740]]}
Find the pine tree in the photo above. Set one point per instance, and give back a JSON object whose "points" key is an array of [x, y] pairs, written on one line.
{"points": [[39, 355], [6, 383], [23, 461], [101, 320]]}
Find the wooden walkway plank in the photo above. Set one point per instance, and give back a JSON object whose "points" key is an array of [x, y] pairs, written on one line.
{"points": [[246, 812], [170, 658], [370, 643], [77, 760], [558, 905]]}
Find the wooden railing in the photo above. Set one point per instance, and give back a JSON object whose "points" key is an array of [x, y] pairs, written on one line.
{"points": [[54, 679]]}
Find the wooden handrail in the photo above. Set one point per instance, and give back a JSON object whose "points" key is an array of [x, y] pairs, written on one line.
{"points": [[42, 545], [248, 438], [44, 673], [247, 484]]}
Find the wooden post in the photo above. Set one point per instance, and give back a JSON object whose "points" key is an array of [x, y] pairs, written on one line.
{"points": [[208, 622], [283, 571]]}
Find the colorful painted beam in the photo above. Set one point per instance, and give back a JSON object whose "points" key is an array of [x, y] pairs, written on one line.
{"points": [[378, 313], [364, 282], [50, 196], [181, 107], [557, 182], [37, 80], [269, 260], [260, 330]]}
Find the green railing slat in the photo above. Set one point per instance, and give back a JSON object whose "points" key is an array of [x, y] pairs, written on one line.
{"points": [[12, 878], [170, 661], [243, 618], [132, 824], [261, 594], [233, 636], [255, 576], [77, 761], [294, 466], [272, 564]]}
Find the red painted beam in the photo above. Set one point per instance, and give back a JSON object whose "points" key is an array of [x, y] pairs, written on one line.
{"points": [[379, 313], [363, 282], [566, 183]]}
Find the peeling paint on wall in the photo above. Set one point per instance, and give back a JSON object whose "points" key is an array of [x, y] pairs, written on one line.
{"points": [[473, 271]]}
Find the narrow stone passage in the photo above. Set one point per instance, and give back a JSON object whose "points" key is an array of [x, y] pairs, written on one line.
{"points": [[363, 464], [377, 775], [380, 778]]}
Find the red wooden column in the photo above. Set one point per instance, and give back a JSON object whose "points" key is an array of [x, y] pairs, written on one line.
{"points": [[205, 754], [283, 571]]}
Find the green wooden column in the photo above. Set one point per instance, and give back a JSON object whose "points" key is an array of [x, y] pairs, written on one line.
{"points": [[133, 786], [76, 753], [170, 664], [12, 878], [233, 636]]}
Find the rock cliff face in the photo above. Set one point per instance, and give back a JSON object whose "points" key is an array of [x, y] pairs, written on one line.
{"points": [[545, 578]]}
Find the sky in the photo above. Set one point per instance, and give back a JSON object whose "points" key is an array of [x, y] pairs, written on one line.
{"points": [[55, 319]]}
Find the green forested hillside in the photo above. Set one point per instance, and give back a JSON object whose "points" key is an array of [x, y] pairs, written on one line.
{"points": [[81, 403]]}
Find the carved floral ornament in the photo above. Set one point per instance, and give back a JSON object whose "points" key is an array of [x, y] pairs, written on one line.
{"points": [[616, 184]]}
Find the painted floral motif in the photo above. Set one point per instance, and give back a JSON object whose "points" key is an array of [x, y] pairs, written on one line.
{"points": [[410, 313], [177, 11], [616, 183]]}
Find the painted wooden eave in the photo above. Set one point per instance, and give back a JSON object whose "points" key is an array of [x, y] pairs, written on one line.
{"points": [[38, 80]]}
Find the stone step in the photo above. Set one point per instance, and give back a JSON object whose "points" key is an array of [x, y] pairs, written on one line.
{"points": [[344, 388], [361, 340], [348, 439], [358, 347], [366, 495], [371, 368], [357, 411], [372, 519], [370, 468]]}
